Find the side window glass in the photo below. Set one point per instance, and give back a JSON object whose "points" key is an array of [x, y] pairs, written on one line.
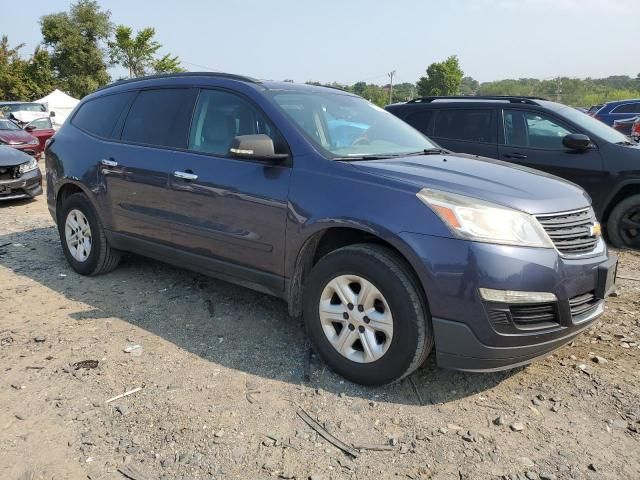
{"points": [[627, 108], [41, 124], [160, 117], [473, 125], [99, 116], [220, 116], [420, 120], [532, 129]]}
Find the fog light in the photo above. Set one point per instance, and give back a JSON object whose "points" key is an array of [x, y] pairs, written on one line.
{"points": [[515, 296]]}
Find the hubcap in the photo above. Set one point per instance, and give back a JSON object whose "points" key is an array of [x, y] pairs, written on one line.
{"points": [[629, 228], [356, 318], [77, 233]]}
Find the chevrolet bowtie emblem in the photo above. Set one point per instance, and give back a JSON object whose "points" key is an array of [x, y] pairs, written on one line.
{"points": [[595, 230]]}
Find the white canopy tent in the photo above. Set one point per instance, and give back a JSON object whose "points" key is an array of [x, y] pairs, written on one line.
{"points": [[61, 103]]}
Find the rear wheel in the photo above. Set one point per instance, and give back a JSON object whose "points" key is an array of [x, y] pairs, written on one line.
{"points": [[83, 239], [365, 315], [623, 225]]}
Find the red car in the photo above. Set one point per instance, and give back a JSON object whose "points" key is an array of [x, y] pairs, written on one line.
{"points": [[635, 130], [31, 140], [42, 129]]}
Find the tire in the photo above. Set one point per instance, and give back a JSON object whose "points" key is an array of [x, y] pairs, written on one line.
{"points": [[620, 225], [391, 354], [100, 257]]}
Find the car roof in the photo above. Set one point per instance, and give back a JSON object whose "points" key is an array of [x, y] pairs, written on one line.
{"points": [[13, 102], [152, 80], [479, 100], [622, 102]]}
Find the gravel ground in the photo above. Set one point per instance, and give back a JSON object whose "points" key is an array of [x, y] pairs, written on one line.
{"points": [[221, 372]]}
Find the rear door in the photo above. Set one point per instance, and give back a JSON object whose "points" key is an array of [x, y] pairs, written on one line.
{"points": [[467, 130], [42, 129], [136, 167], [534, 139]]}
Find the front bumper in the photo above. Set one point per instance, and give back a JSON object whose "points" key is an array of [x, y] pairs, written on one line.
{"points": [[477, 335], [26, 186]]}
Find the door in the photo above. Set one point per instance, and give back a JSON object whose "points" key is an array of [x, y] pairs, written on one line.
{"points": [[229, 210], [534, 139], [136, 168], [467, 130], [42, 129]]}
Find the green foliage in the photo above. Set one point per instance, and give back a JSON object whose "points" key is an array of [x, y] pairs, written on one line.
{"points": [[443, 78], [75, 40], [469, 86], [12, 71], [135, 53], [167, 64], [41, 78]]}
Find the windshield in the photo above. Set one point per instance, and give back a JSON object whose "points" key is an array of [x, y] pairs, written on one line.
{"points": [[345, 126], [592, 125], [23, 107], [8, 125]]}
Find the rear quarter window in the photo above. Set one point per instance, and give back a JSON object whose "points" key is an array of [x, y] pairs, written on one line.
{"points": [[627, 108], [99, 116], [472, 125], [420, 120]]}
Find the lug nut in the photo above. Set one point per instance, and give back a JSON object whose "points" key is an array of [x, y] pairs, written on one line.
{"points": [[360, 308], [366, 319], [361, 329], [345, 315], [352, 327], [350, 306]]}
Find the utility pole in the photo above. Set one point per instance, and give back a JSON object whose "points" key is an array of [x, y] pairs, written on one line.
{"points": [[558, 89], [391, 74]]}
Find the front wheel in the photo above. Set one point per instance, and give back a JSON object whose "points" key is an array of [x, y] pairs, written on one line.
{"points": [[366, 316], [623, 225]]}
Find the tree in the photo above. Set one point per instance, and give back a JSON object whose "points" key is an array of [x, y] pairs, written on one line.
{"points": [[167, 64], [13, 69], [135, 53], [443, 78], [469, 86], [40, 75], [75, 41]]}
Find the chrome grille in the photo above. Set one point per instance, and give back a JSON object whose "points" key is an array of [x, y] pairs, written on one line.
{"points": [[571, 231]]}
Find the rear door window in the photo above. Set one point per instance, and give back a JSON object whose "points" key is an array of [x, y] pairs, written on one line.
{"points": [[99, 116], [472, 125], [160, 117], [533, 129], [420, 120], [627, 108]]}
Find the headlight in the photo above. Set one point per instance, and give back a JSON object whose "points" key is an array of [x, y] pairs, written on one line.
{"points": [[34, 141], [481, 221], [27, 167]]}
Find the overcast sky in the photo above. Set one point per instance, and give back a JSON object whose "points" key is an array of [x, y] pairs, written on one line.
{"points": [[352, 40]]}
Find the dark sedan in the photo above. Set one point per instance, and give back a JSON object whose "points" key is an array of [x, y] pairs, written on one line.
{"points": [[15, 137], [20, 176]]}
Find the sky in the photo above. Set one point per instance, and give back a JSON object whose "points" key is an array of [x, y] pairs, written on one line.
{"points": [[362, 40]]}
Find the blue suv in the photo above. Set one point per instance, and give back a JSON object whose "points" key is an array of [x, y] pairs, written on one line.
{"points": [[619, 110], [386, 244]]}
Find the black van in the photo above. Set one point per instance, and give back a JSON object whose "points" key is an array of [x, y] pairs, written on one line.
{"points": [[547, 136]]}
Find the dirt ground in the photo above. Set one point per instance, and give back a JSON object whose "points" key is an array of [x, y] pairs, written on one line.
{"points": [[222, 376]]}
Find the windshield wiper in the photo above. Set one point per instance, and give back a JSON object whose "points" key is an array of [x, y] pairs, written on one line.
{"points": [[365, 157]]}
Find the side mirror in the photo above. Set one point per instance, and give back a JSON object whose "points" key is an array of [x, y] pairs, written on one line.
{"points": [[577, 141], [30, 128], [256, 147], [52, 114]]}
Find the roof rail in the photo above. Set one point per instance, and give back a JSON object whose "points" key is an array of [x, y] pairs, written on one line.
{"points": [[471, 98], [229, 76]]}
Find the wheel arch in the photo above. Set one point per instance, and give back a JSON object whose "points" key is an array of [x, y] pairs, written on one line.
{"points": [[68, 187], [625, 190], [329, 238]]}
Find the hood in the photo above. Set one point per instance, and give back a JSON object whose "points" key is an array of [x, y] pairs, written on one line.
{"points": [[15, 137], [10, 157], [26, 116], [499, 182]]}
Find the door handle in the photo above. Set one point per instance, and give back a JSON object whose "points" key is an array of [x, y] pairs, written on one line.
{"points": [[185, 175], [109, 163], [517, 156]]}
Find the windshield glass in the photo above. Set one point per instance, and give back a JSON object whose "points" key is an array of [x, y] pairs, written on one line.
{"points": [[592, 125], [8, 125], [23, 107], [346, 126]]}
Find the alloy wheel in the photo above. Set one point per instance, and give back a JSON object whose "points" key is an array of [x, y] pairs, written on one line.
{"points": [[77, 232], [356, 318]]}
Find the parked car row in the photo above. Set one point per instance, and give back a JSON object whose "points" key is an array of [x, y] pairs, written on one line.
{"points": [[387, 243], [30, 139]]}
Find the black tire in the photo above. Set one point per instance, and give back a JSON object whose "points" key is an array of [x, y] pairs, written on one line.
{"points": [[412, 338], [102, 258], [619, 225]]}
